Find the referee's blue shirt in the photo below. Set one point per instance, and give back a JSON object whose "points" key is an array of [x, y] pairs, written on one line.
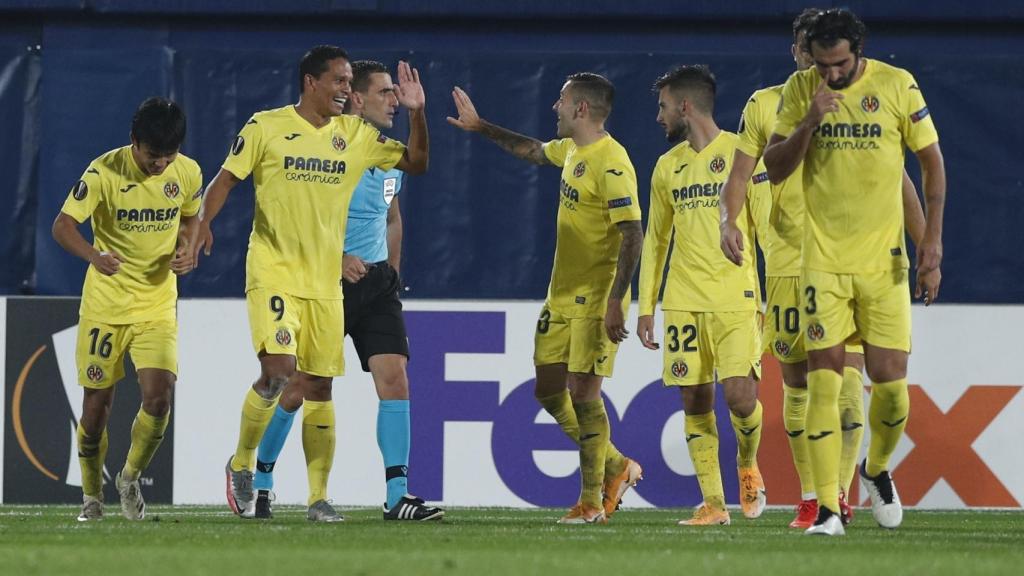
{"points": [[367, 230]]}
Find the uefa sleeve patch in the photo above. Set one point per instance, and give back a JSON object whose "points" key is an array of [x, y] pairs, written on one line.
{"points": [[620, 202], [919, 115], [760, 177]]}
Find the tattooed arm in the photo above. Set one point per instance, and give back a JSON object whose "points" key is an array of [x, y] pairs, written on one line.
{"points": [[518, 145], [629, 256]]}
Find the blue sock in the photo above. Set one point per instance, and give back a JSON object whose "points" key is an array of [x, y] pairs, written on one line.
{"points": [[393, 438], [270, 447]]}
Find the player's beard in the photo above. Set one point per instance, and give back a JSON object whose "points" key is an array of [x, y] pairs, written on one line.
{"points": [[845, 81], [677, 132]]}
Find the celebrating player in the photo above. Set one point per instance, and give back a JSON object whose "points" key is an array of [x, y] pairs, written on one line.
{"points": [[373, 312], [143, 200], [847, 120], [782, 248], [306, 161], [598, 246], [710, 306]]}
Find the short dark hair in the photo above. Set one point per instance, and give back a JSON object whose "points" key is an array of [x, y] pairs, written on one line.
{"points": [[803, 21], [315, 61], [597, 90], [833, 25], [160, 124], [694, 79], [361, 72]]}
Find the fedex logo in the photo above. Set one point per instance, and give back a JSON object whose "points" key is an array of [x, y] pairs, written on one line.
{"points": [[648, 426]]}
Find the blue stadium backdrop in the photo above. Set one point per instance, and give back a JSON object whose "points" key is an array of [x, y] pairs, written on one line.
{"points": [[480, 224]]}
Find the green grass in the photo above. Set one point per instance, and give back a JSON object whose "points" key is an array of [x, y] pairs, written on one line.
{"points": [[186, 541]]}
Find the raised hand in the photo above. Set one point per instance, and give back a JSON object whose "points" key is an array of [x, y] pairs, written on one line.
{"points": [[825, 101], [409, 90], [468, 119]]}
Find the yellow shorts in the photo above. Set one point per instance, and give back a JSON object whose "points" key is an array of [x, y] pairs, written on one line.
{"points": [[782, 334], [873, 307], [311, 330], [581, 343], [100, 350], [700, 345]]}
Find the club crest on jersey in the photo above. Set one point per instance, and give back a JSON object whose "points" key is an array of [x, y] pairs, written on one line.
{"points": [[382, 138], [171, 190], [579, 170], [870, 104], [94, 373], [781, 348], [80, 190], [339, 143], [717, 164], [283, 337], [237, 145], [815, 332], [680, 369]]}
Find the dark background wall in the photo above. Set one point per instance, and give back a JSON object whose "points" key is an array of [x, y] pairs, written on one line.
{"points": [[480, 224]]}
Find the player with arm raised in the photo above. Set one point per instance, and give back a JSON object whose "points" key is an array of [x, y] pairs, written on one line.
{"points": [[373, 312], [306, 160], [599, 237]]}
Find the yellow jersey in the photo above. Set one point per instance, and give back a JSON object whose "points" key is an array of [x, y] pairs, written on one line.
{"points": [[783, 232], [853, 170], [137, 216], [304, 178], [596, 192], [685, 195]]}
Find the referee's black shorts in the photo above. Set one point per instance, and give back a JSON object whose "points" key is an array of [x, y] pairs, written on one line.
{"points": [[373, 314]]}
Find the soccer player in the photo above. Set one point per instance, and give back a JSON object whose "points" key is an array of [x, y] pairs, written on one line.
{"points": [[847, 119], [710, 306], [373, 312], [782, 248], [306, 161], [599, 237], [143, 200]]}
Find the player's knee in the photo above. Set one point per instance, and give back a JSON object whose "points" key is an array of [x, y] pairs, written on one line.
{"points": [[741, 404], [394, 387], [274, 386], [887, 370]]}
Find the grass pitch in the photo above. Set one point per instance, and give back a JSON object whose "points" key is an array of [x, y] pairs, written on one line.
{"points": [[183, 541]]}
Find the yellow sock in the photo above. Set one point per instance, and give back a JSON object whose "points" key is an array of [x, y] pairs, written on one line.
{"points": [[702, 442], [851, 417], [824, 437], [794, 418], [594, 432], [614, 461], [256, 414], [92, 452], [890, 407], [748, 437], [560, 407], [147, 434], [318, 445]]}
